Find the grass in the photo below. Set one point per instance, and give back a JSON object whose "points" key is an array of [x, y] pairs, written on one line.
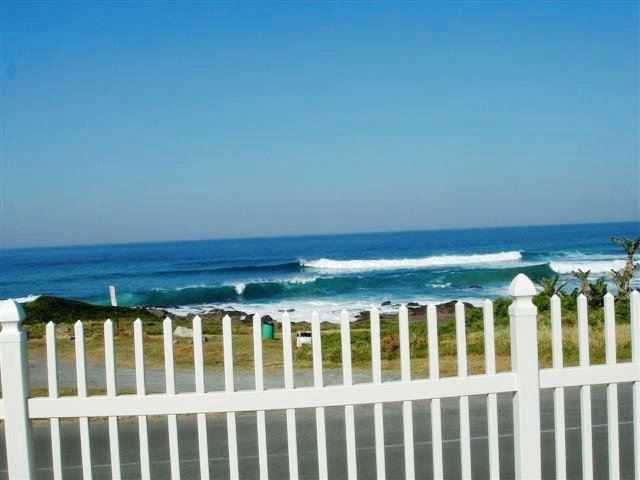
{"points": [[331, 342]]}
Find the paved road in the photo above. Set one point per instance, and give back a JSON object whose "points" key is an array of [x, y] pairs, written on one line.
{"points": [[276, 436]]}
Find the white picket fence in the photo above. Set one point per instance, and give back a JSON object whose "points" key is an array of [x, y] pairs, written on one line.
{"points": [[524, 381]]}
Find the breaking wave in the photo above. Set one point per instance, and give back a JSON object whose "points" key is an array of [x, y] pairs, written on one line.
{"points": [[411, 263], [330, 286]]}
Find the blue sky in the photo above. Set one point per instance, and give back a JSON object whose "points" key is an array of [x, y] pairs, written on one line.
{"points": [[163, 121]]}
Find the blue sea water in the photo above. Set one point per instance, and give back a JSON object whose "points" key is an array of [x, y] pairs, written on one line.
{"points": [[324, 273]]}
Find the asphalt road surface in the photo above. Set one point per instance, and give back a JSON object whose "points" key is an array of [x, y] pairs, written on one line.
{"points": [[305, 419]]}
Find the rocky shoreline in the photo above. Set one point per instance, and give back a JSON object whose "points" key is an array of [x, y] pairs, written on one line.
{"points": [[445, 310], [61, 310]]}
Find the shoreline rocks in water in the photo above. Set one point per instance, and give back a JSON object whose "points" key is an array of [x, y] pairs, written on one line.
{"points": [[445, 311]]}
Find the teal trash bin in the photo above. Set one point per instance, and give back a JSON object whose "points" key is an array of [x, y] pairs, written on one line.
{"points": [[268, 330]]}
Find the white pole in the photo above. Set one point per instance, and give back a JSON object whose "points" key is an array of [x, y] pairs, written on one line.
{"points": [[112, 295], [524, 363], [15, 390]]}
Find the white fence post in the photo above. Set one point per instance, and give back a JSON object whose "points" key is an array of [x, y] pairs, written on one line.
{"points": [[15, 390], [524, 363]]}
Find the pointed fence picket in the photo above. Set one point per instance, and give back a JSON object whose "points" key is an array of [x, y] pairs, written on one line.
{"points": [[376, 375], [52, 367], [318, 382], [230, 387], [110, 366], [585, 390], [259, 380], [292, 442], [170, 389], [465, 430], [81, 379], [492, 399], [347, 379], [407, 406], [612, 388], [434, 374], [524, 382], [558, 393], [143, 436], [198, 367]]}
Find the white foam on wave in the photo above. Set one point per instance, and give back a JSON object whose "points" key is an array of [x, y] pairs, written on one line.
{"points": [[300, 280], [595, 266], [241, 286], [177, 289], [302, 310], [404, 263], [328, 310]]}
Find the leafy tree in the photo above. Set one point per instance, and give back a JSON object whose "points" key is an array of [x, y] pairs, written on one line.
{"points": [[631, 248], [622, 279], [594, 291], [597, 291], [583, 277], [550, 285]]}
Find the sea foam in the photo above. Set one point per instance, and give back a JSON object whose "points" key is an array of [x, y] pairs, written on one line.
{"points": [[300, 280], [413, 263], [595, 266]]}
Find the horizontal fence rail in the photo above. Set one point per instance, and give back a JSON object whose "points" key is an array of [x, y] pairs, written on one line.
{"points": [[275, 399], [523, 382]]}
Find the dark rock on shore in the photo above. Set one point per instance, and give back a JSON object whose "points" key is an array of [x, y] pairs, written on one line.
{"points": [[445, 311], [158, 312], [417, 309], [60, 310]]}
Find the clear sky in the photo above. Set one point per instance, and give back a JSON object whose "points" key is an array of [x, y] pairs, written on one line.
{"points": [[163, 121]]}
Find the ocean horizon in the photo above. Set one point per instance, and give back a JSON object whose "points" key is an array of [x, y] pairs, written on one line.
{"points": [[325, 273]]}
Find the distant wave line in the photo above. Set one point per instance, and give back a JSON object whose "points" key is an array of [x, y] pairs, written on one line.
{"points": [[411, 263], [595, 266]]}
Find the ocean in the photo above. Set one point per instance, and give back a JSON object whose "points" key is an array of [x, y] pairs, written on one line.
{"points": [[325, 272]]}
